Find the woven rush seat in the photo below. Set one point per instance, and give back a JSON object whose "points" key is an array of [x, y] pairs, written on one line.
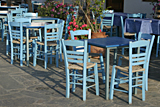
{"points": [[79, 66], [129, 34], [18, 41], [108, 27], [34, 37], [49, 43], [134, 68]]}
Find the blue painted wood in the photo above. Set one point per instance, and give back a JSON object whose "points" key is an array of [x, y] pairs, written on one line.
{"points": [[76, 56], [134, 59], [60, 45], [81, 49], [134, 15], [109, 42], [122, 26], [158, 43], [107, 20], [67, 24], [54, 37], [146, 37], [141, 36], [17, 35]]}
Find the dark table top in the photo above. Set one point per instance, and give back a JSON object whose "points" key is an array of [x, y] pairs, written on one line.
{"points": [[109, 42]]}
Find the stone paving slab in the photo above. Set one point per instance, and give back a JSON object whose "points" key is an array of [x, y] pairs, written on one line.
{"points": [[39, 87]]}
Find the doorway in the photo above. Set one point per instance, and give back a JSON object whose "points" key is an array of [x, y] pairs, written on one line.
{"points": [[116, 5]]}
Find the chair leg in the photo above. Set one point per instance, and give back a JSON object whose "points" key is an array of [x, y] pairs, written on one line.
{"points": [[35, 55], [112, 82], [102, 67], [74, 81], [57, 58], [11, 53], [45, 60], [7, 44], [67, 83], [143, 87], [21, 53], [84, 85], [157, 50], [130, 88], [96, 79]]}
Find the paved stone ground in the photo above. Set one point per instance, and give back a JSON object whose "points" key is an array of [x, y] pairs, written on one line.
{"points": [[37, 87]]}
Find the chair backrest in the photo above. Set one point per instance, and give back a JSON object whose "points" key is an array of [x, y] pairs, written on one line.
{"points": [[79, 33], [134, 15], [75, 10], [24, 10], [107, 11], [53, 34], [16, 28], [142, 36], [107, 20], [62, 25], [69, 16], [23, 5], [30, 14], [139, 59], [15, 14], [73, 56]]}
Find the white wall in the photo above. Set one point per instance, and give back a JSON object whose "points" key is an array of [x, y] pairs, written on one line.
{"points": [[137, 6]]}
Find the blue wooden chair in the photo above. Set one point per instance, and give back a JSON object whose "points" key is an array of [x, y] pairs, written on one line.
{"points": [[137, 64], [51, 45], [60, 44], [74, 61], [134, 15], [24, 10], [107, 11], [107, 24], [17, 41], [75, 10], [158, 43], [141, 36], [67, 24], [81, 49], [126, 34], [36, 33], [4, 30]]}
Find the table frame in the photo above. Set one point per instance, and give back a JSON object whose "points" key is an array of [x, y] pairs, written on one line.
{"points": [[108, 47]]}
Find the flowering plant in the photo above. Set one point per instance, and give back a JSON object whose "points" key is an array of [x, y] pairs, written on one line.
{"points": [[55, 9], [155, 3], [77, 24], [97, 7]]}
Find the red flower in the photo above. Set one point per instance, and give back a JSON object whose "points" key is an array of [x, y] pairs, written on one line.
{"points": [[74, 29], [94, 23], [76, 26], [74, 23], [75, 38], [81, 28], [74, 20], [70, 23], [100, 30], [68, 27]]}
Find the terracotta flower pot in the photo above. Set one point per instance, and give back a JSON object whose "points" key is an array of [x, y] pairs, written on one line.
{"points": [[95, 49]]}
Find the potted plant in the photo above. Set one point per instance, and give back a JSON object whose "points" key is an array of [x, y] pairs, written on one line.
{"points": [[55, 9], [77, 24], [96, 6]]}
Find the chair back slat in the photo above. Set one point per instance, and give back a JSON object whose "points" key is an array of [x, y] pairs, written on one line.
{"points": [[79, 33], [138, 58], [74, 56], [30, 14], [134, 15]]}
